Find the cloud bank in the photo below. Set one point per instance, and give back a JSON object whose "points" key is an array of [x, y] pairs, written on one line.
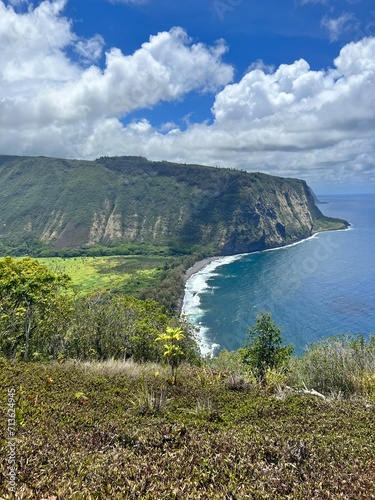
{"points": [[56, 99]]}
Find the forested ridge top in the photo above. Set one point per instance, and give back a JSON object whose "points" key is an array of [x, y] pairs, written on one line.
{"points": [[129, 199]]}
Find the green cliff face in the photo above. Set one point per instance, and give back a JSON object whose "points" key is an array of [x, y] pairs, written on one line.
{"points": [[72, 203]]}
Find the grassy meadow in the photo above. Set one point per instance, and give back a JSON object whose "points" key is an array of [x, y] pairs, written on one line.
{"points": [[122, 272]]}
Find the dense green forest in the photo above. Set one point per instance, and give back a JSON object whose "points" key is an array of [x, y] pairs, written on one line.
{"points": [[41, 320]]}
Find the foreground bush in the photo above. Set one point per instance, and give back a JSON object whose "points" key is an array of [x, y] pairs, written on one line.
{"points": [[30, 296], [121, 327], [264, 350], [339, 365]]}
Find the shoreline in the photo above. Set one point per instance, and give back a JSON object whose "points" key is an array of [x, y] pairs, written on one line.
{"points": [[198, 266], [201, 264], [194, 269]]}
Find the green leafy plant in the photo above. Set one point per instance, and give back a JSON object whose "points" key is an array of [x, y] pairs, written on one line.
{"points": [[81, 397], [264, 349], [173, 351]]}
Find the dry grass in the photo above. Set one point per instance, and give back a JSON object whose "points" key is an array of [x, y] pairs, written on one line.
{"points": [[114, 368]]}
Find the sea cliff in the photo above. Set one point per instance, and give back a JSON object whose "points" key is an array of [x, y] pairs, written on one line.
{"points": [[74, 204]]}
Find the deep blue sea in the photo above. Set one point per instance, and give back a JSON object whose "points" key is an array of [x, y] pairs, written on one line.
{"points": [[320, 287]]}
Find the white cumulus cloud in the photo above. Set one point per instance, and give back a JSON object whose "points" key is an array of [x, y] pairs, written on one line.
{"points": [[289, 120], [294, 121], [90, 49], [44, 94]]}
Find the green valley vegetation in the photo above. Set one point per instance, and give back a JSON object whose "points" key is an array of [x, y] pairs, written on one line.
{"points": [[95, 412], [39, 319], [152, 277], [126, 273]]}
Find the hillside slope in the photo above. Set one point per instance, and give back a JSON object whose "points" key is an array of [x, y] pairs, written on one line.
{"points": [[91, 429], [74, 203]]}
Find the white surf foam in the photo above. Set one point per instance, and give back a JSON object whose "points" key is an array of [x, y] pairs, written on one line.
{"points": [[197, 285]]}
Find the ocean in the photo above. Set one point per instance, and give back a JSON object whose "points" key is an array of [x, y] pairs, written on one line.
{"points": [[322, 286]]}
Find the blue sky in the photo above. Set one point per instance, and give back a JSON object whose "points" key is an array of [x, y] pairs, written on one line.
{"points": [[283, 87]]}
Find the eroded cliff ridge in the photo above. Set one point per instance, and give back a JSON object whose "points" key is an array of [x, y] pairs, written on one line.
{"points": [[73, 203]]}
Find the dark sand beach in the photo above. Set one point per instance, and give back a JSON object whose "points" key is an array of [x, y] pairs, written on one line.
{"points": [[198, 266]]}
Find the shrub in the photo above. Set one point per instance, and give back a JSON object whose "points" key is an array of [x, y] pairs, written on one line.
{"points": [[30, 296], [264, 349], [341, 364], [149, 401], [274, 380], [228, 362]]}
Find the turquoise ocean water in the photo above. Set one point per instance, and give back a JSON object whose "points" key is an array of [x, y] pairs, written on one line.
{"points": [[320, 287]]}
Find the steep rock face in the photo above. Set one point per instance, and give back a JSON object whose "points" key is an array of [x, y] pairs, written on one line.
{"points": [[69, 203], [260, 212], [286, 220]]}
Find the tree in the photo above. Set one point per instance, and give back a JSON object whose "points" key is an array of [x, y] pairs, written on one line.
{"points": [[120, 327], [29, 293], [263, 349], [173, 352]]}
